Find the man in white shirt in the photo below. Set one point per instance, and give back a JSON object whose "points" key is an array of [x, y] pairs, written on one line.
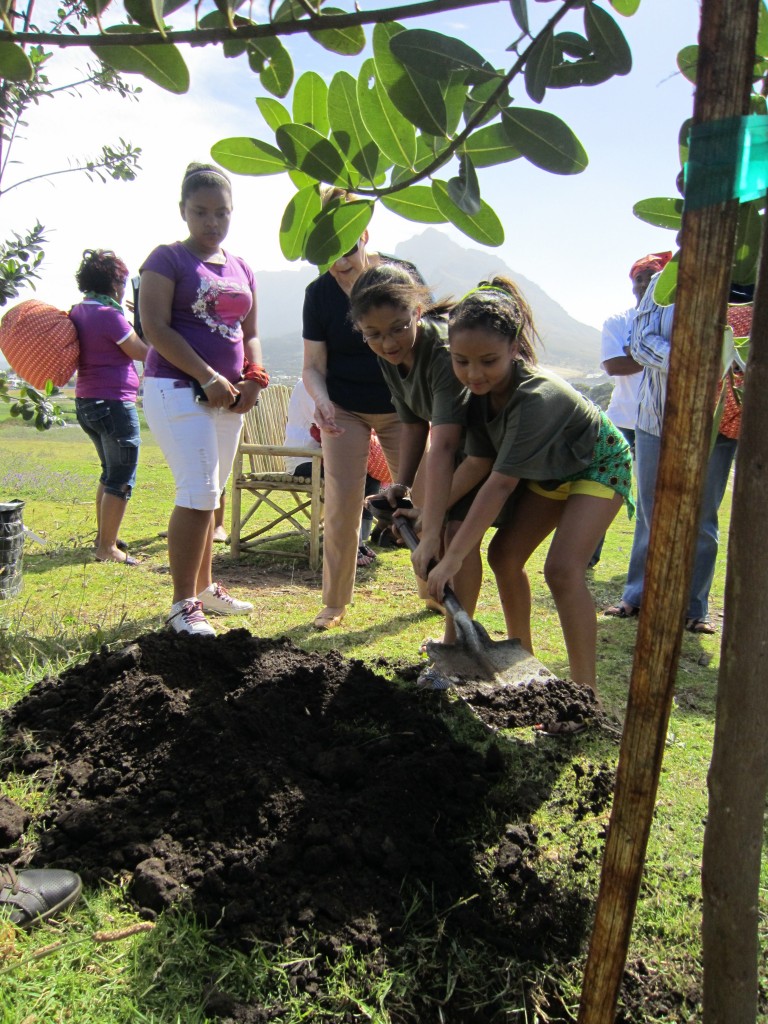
{"points": [[618, 363]]}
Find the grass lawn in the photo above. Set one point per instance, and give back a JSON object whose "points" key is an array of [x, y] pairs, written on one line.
{"points": [[70, 607]]}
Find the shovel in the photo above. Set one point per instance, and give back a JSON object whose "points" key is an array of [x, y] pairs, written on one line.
{"points": [[475, 657]]}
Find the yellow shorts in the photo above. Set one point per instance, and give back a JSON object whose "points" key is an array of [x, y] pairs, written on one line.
{"points": [[564, 491]]}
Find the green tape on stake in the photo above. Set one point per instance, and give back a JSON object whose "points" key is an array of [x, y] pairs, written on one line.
{"points": [[727, 160], [752, 173], [713, 158]]}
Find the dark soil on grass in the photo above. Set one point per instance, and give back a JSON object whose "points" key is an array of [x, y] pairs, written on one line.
{"points": [[288, 797]]}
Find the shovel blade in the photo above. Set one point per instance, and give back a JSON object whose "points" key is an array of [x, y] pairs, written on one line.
{"points": [[503, 662]]}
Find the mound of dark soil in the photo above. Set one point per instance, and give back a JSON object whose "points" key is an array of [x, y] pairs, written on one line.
{"points": [[277, 792]]}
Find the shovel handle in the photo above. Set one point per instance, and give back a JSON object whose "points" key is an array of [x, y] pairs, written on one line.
{"points": [[406, 531]]}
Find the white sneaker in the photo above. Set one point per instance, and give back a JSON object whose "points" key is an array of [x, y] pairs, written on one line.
{"points": [[218, 600], [188, 617]]}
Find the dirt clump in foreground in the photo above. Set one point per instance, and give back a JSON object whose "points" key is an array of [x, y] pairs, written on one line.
{"points": [[279, 792]]}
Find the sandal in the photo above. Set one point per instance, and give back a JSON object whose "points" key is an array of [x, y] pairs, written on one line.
{"points": [[622, 610], [329, 618], [560, 730], [700, 626], [365, 556]]}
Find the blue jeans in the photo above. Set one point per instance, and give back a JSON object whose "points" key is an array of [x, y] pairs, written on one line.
{"points": [[647, 451], [113, 426]]}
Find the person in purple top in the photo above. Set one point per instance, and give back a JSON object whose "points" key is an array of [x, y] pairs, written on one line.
{"points": [[105, 392], [197, 304]]}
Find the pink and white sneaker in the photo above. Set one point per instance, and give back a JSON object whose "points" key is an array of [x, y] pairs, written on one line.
{"points": [[188, 617], [217, 600]]}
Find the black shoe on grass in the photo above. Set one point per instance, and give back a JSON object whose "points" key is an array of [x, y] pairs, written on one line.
{"points": [[28, 897]]}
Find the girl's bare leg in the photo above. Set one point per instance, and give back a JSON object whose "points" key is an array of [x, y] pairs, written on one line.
{"points": [[534, 518], [189, 539], [584, 520]]}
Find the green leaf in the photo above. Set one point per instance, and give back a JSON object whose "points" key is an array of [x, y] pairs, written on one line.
{"points": [[336, 230], [392, 133], [248, 156], [661, 212], [15, 65], [346, 41], [625, 7], [477, 97], [607, 40], [747, 246], [538, 67], [310, 102], [273, 112], [301, 180], [298, 220], [415, 203], [272, 63], [666, 285], [420, 48], [464, 190], [308, 151], [428, 148], [417, 96], [688, 62], [349, 131], [589, 71], [573, 45], [147, 12], [545, 140], [520, 14], [761, 42], [484, 227], [489, 146], [162, 65]]}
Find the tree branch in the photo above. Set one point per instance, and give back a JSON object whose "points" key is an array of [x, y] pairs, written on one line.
{"points": [[475, 120], [203, 36]]}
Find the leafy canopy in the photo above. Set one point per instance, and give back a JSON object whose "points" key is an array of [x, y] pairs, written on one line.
{"points": [[410, 127]]}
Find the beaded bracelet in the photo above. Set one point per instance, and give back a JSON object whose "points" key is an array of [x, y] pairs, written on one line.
{"points": [[210, 383], [252, 371]]}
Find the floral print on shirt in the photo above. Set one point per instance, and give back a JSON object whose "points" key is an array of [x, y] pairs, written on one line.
{"points": [[222, 305]]}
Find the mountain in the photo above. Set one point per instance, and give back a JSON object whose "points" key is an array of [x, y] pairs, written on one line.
{"points": [[449, 269]]}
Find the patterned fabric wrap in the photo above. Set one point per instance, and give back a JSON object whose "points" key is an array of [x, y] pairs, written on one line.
{"points": [[611, 463], [740, 321], [377, 463], [40, 342]]}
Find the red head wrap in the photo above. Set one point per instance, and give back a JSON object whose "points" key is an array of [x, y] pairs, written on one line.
{"points": [[654, 261]]}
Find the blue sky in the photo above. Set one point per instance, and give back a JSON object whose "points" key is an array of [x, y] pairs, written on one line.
{"points": [[575, 236]]}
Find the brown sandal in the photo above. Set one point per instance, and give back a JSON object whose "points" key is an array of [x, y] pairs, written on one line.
{"points": [[700, 626], [622, 610]]}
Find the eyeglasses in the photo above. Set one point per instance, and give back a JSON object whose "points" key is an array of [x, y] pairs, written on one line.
{"points": [[395, 333], [352, 251]]}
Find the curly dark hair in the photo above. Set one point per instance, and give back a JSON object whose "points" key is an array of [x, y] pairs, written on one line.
{"points": [[99, 271], [199, 176], [497, 305]]}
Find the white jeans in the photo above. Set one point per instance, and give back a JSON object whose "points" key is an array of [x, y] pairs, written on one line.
{"points": [[199, 444]]}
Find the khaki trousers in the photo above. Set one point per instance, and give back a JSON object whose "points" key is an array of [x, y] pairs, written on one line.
{"points": [[345, 459]]}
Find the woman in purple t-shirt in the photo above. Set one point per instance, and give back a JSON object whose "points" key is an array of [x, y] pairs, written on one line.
{"points": [[105, 392], [198, 312]]}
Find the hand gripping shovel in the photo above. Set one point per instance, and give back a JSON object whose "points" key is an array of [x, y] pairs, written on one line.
{"points": [[475, 656]]}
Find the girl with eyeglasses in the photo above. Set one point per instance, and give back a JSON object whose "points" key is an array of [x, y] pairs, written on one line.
{"points": [[408, 333]]}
